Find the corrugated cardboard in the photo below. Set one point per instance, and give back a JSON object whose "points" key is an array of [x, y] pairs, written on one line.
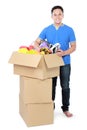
{"points": [[36, 114], [36, 66], [35, 90]]}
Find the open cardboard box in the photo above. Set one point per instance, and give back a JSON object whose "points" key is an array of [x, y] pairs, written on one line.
{"points": [[36, 65]]}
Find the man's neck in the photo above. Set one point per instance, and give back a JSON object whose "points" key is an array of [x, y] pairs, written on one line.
{"points": [[58, 25]]}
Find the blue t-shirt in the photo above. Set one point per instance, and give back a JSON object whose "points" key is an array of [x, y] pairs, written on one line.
{"points": [[63, 35]]}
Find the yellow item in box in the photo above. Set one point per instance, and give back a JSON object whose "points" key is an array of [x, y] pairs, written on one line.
{"points": [[32, 51], [23, 50]]}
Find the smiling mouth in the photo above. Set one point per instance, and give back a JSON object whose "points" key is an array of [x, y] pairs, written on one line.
{"points": [[57, 21]]}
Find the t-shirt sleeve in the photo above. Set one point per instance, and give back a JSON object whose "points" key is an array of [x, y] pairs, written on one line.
{"points": [[42, 35], [72, 36]]}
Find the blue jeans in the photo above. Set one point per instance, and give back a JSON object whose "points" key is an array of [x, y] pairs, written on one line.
{"points": [[64, 82]]}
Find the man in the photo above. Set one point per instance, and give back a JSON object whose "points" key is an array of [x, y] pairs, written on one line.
{"points": [[65, 36]]}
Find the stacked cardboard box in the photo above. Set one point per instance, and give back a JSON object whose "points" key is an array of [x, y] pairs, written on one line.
{"points": [[35, 102], [35, 97]]}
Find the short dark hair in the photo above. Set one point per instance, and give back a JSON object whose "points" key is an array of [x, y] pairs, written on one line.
{"points": [[57, 7]]}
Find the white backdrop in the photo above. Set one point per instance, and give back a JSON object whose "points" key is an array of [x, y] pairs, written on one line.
{"points": [[20, 24]]}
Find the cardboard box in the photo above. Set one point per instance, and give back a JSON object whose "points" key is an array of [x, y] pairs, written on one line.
{"points": [[35, 90], [36, 66], [35, 114]]}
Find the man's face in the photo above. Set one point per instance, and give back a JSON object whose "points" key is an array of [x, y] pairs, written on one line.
{"points": [[57, 16]]}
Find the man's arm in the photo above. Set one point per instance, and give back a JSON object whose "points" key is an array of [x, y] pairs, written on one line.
{"points": [[69, 51], [37, 42]]}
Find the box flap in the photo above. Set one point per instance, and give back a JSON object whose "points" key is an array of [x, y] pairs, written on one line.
{"points": [[52, 60], [30, 60]]}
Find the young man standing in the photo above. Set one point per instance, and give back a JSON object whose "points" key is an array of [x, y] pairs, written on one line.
{"points": [[65, 36]]}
